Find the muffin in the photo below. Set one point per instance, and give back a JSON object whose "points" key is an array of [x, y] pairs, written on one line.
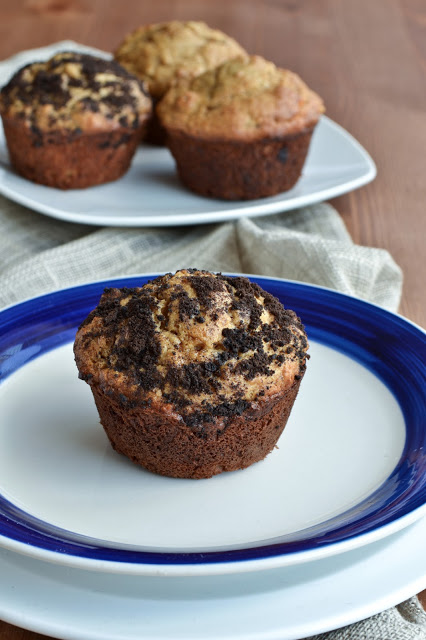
{"points": [[242, 130], [194, 373], [73, 121], [162, 53]]}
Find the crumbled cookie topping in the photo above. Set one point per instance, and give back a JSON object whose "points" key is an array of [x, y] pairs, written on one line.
{"points": [[75, 91], [207, 344]]}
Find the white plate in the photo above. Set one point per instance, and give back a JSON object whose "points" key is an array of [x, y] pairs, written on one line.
{"points": [[350, 467], [284, 604], [150, 194]]}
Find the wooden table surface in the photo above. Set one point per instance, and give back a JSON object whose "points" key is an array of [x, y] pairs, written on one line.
{"points": [[366, 59]]}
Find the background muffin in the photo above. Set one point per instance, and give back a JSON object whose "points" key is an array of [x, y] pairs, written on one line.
{"points": [[194, 373], [242, 130], [162, 53], [73, 121]]}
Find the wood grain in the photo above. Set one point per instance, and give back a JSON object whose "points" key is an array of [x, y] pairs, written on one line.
{"points": [[366, 59]]}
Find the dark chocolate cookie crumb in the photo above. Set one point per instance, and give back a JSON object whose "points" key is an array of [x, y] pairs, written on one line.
{"points": [[50, 84], [131, 319]]}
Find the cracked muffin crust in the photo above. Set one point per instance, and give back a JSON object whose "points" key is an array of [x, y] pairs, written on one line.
{"points": [[241, 130], [74, 120], [194, 373], [160, 54]]}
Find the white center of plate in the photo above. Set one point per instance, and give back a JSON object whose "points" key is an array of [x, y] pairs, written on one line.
{"points": [[343, 439]]}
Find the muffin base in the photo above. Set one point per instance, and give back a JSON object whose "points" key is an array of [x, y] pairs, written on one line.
{"points": [[233, 170], [70, 162], [167, 446]]}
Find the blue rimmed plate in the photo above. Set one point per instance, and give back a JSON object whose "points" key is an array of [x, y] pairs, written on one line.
{"points": [[349, 469]]}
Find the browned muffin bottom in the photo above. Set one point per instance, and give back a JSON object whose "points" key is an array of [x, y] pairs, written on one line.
{"points": [[73, 121], [194, 373], [162, 445], [238, 171], [66, 162]]}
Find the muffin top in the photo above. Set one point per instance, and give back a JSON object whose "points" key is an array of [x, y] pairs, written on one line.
{"points": [[247, 98], [205, 347], [76, 92], [160, 53]]}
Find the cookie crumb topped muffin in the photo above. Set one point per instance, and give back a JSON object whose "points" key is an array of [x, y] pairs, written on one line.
{"points": [[73, 121], [162, 53], [194, 373], [242, 130]]}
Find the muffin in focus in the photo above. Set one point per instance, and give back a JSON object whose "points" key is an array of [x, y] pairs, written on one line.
{"points": [[162, 53], [73, 121], [241, 131], [194, 373]]}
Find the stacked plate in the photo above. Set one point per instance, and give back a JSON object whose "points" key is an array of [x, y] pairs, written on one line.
{"points": [[327, 530]]}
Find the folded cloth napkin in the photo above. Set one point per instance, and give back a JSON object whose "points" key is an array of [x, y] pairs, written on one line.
{"points": [[405, 622], [39, 254]]}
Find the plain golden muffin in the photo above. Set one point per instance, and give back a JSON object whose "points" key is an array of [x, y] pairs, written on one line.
{"points": [[161, 54], [73, 121], [242, 130], [194, 373]]}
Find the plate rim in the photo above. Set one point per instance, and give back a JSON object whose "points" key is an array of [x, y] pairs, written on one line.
{"points": [[231, 565], [348, 615], [250, 208]]}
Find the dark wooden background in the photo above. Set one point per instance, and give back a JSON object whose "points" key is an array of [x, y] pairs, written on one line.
{"points": [[367, 59]]}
